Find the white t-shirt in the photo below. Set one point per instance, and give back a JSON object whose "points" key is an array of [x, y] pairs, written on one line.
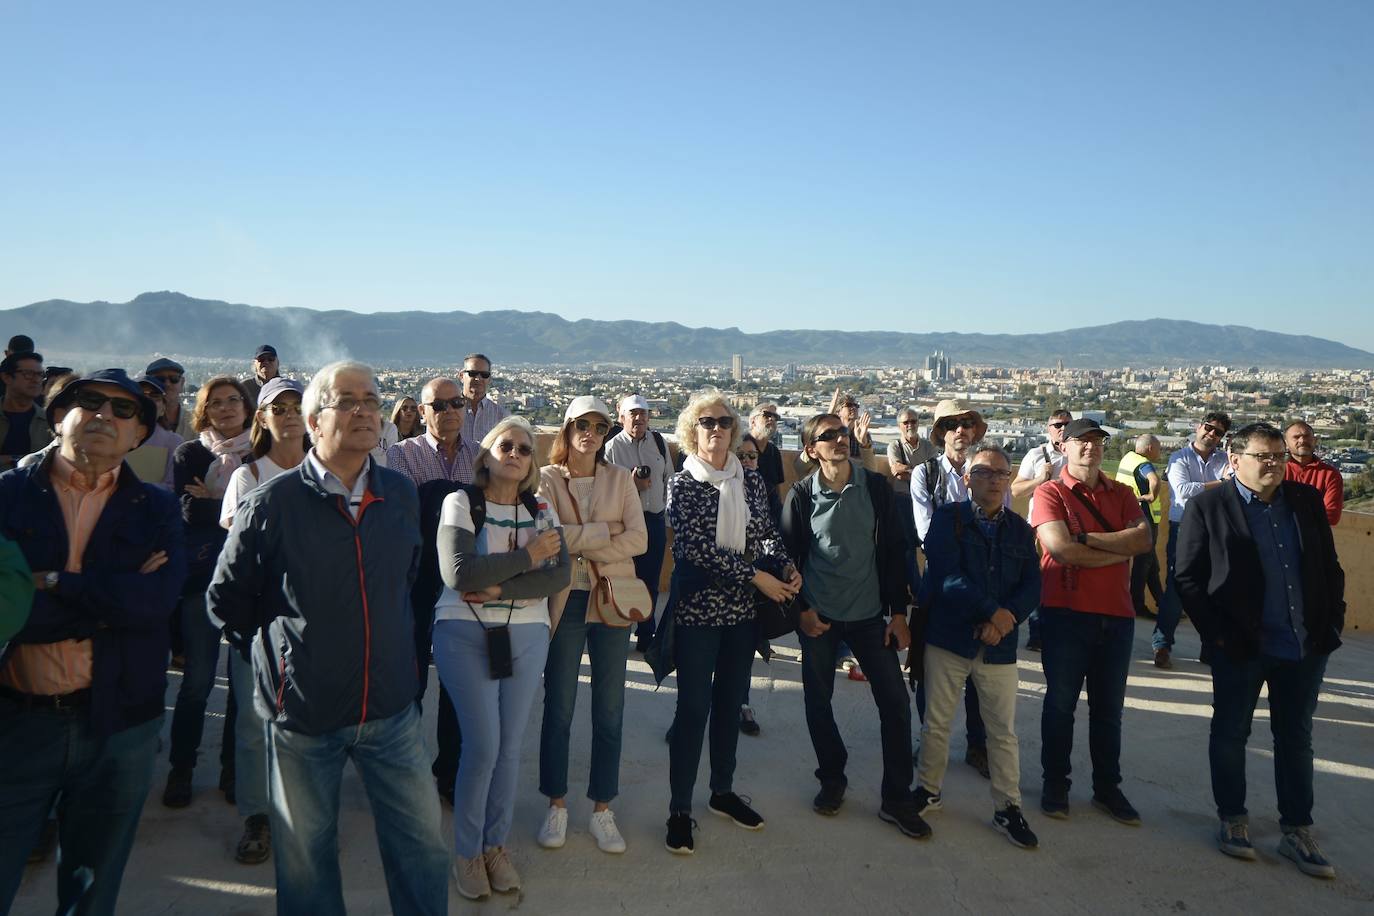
{"points": [[1033, 465], [242, 482], [507, 528]]}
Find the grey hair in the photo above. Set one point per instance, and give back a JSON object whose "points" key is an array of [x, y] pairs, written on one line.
{"points": [[760, 407], [313, 401], [905, 411], [986, 447], [1144, 441]]}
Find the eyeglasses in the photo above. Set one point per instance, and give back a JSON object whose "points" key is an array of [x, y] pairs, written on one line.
{"points": [[989, 473], [1268, 457], [1090, 441], [369, 404], [221, 403], [445, 404], [833, 433], [477, 373], [600, 427], [710, 423], [32, 375], [961, 423], [408, 408], [124, 408], [283, 409], [1217, 431], [505, 447], [748, 456], [168, 379]]}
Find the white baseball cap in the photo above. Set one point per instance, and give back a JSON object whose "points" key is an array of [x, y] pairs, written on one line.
{"points": [[585, 404], [633, 402]]}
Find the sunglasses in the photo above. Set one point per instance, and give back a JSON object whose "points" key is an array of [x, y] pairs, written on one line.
{"points": [[1060, 424], [476, 373], [964, 423], [283, 409], [833, 433], [769, 415], [124, 408], [600, 427], [748, 456], [505, 447], [408, 408], [168, 379], [445, 404], [1218, 431], [710, 423]]}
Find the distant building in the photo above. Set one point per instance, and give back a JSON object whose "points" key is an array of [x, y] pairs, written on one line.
{"points": [[937, 367], [737, 367]]}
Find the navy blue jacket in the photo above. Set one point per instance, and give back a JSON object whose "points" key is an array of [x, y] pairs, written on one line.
{"points": [[968, 577], [125, 613], [324, 600]]}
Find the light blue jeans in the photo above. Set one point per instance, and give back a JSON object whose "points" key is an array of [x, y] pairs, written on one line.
{"points": [[492, 715], [250, 740]]}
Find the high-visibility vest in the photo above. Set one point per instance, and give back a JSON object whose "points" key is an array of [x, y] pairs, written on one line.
{"points": [[1125, 473]]}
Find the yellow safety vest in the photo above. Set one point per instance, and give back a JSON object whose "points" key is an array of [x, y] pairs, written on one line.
{"points": [[1125, 474]]}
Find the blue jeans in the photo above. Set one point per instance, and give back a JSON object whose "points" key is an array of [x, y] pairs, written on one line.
{"points": [[975, 731], [304, 772], [201, 641], [250, 740], [608, 647], [1293, 689], [50, 756], [492, 715], [1171, 606], [713, 668], [649, 564], [1091, 649]]}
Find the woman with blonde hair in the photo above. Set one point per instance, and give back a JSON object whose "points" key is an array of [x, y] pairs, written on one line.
{"points": [[501, 556], [603, 524], [405, 416], [721, 528]]}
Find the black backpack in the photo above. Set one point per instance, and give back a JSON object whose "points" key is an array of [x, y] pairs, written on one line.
{"points": [[939, 494], [617, 429]]}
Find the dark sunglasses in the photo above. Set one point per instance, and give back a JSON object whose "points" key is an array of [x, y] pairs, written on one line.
{"points": [[124, 408], [447, 404], [505, 447], [600, 427], [964, 423], [1059, 424], [833, 433], [168, 379], [748, 456], [709, 423], [282, 409], [1218, 431], [476, 373], [769, 415]]}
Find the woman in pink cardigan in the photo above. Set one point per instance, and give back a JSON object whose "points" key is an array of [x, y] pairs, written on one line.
{"points": [[603, 525]]}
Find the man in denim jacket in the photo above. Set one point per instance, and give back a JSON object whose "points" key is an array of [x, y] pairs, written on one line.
{"points": [[982, 579]]}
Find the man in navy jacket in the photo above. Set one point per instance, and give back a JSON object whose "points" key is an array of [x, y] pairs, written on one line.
{"points": [[1258, 575], [82, 684]]}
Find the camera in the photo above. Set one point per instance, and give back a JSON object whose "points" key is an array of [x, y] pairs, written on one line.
{"points": [[643, 472]]}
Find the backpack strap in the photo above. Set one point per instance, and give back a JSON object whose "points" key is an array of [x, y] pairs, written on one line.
{"points": [[662, 446], [938, 496], [1086, 504], [477, 506]]}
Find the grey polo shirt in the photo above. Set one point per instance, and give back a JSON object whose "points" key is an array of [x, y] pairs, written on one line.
{"points": [[841, 578], [631, 453]]}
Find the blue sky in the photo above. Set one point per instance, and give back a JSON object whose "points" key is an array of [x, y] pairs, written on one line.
{"points": [[916, 166]]}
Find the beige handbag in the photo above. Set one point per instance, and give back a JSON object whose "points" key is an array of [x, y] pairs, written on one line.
{"points": [[618, 600]]}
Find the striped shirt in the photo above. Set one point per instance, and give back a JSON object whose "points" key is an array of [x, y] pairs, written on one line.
{"points": [[421, 459], [479, 420]]}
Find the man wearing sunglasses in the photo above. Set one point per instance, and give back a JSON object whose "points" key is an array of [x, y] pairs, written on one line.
{"points": [[763, 429], [82, 685], [265, 368], [482, 412], [170, 375], [23, 428], [645, 453], [1199, 466]]}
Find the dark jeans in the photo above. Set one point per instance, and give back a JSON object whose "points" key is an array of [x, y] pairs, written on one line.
{"points": [[649, 564], [446, 731], [99, 785], [1095, 650], [975, 731], [201, 645], [1293, 689], [880, 663], [713, 667], [1171, 605], [1145, 569]]}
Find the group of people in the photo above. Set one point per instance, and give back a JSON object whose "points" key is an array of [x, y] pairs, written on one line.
{"points": [[339, 554]]}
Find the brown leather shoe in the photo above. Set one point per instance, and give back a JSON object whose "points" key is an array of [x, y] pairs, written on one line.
{"points": [[1162, 659]]}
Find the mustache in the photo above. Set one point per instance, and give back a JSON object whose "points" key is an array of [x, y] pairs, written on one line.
{"points": [[99, 426]]}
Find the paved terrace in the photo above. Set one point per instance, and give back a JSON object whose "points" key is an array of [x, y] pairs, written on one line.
{"points": [[853, 863]]}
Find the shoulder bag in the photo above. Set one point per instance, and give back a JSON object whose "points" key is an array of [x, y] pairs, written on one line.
{"points": [[618, 600]]}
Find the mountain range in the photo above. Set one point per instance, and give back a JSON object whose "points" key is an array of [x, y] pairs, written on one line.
{"points": [[171, 323]]}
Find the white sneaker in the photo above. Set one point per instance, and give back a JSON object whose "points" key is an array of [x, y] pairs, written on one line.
{"points": [[608, 838], [554, 833]]}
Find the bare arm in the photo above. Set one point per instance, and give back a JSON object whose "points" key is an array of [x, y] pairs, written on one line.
{"points": [[1055, 538], [1152, 492]]}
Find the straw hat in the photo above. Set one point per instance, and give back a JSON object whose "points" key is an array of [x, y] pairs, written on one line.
{"points": [[948, 409]]}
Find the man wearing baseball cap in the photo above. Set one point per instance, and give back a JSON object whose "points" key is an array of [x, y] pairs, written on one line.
{"points": [[645, 453], [82, 684], [265, 368], [152, 461], [171, 377], [1090, 527]]}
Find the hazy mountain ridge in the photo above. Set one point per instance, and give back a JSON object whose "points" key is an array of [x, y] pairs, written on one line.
{"points": [[173, 323]]}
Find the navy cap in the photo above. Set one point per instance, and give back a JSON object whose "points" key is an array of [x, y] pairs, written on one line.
{"points": [[276, 387], [120, 379], [1083, 427], [149, 380], [263, 350], [162, 364]]}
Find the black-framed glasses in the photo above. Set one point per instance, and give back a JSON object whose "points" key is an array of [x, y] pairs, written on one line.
{"points": [[600, 427], [989, 473], [710, 423], [369, 404], [32, 375], [124, 408], [958, 423], [477, 373], [1268, 457], [168, 379], [444, 404], [279, 410], [1218, 431], [833, 433], [769, 415], [505, 447]]}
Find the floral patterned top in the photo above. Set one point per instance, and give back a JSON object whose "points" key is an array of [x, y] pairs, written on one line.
{"points": [[729, 596]]}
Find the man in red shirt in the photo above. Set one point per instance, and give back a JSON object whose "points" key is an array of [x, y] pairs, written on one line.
{"points": [[1089, 526], [1305, 467]]}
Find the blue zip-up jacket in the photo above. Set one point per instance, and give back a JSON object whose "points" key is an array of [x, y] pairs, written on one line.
{"points": [[968, 578], [125, 613], [324, 600]]}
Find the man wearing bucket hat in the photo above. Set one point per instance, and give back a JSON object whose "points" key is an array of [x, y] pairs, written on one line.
{"points": [[82, 685]]}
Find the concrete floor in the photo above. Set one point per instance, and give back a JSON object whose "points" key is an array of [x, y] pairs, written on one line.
{"points": [[854, 863]]}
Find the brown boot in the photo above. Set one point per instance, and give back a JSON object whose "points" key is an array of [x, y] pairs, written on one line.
{"points": [[1162, 659]]}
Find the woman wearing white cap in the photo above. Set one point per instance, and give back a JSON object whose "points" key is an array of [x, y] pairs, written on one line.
{"points": [[603, 525]]}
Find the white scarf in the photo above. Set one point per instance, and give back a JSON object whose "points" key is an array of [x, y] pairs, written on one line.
{"points": [[229, 454], [732, 515]]}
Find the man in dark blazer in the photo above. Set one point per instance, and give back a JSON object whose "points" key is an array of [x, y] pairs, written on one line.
{"points": [[1258, 575]]}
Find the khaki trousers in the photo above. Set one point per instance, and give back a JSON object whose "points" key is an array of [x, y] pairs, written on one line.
{"points": [[996, 685]]}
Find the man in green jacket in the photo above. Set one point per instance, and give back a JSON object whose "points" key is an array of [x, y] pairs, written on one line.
{"points": [[16, 590]]}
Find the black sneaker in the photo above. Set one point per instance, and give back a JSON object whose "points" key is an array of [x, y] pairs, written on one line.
{"points": [[977, 757], [680, 827], [178, 791], [829, 799], [1033, 644], [926, 800], [736, 808], [904, 815], [748, 725], [1113, 802], [226, 784], [1055, 803], [1012, 822]]}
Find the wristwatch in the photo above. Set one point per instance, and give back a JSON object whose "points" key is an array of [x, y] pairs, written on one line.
{"points": [[1082, 538], [50, 580]]}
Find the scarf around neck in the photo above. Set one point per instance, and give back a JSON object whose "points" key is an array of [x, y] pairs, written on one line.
{"points": [[229, 452], [732, 513]]}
